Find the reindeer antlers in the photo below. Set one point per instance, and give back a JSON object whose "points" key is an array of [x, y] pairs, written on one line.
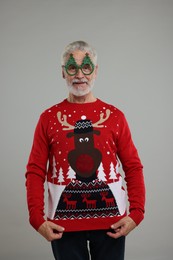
{"points": [[104, 193], [64, 121], [85, 195], [102, 119], [66, 195]]}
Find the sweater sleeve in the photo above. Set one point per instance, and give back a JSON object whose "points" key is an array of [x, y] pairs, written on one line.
{"points": [[36, 174], [133, 170]]}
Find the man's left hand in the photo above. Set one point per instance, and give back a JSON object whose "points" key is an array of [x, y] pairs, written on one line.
{"points": [[122, 228]]}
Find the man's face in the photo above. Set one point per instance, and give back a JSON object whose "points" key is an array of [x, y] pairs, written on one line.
{"points": [[79, 84]]}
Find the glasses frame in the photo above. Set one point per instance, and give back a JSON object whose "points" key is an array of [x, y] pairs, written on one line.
{"points": [[71, 61]]}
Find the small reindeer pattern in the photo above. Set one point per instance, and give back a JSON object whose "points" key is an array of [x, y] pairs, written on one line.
{"points": [[110, 202], [70, 204], [89, 203]]}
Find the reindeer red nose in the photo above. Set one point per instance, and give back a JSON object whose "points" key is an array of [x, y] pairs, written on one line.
{"points": [[84, 164]]}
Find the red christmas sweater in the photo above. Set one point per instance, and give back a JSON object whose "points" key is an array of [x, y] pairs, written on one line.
{"points": [[77, 149]]}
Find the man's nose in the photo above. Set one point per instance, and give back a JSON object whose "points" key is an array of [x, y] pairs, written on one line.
{"points": [[79, 74]]}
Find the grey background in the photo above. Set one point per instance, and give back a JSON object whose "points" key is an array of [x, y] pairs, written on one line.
{"points": [[134, 40]]}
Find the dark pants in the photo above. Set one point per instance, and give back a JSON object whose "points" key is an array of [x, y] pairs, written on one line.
{"points": [[74, 246]]}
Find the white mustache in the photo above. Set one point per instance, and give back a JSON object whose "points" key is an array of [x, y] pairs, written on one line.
{"points": [[79, 81]]}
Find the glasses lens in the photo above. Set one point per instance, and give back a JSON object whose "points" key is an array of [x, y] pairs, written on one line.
{"points": [[71, 69], [87, 69]]}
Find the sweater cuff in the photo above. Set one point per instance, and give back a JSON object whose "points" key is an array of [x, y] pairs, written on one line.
{"points": [[37, 222], [137, 216]]}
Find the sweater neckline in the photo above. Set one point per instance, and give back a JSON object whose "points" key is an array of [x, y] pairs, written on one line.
{"points": [[87, 104]]}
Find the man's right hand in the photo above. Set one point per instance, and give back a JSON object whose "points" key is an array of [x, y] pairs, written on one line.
{"points": [[50, 231]]}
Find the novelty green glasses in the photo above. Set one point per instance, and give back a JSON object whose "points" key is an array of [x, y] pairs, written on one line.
{"points": [[72, 68]]}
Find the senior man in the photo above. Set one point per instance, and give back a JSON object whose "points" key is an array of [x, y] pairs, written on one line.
{"points": [[83, 140]]}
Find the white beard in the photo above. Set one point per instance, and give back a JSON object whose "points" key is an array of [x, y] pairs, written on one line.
{"points": [[79, 91]]}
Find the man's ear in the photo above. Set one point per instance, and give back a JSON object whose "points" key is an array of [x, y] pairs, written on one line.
{"points": [[63, 73], [96, 70]]}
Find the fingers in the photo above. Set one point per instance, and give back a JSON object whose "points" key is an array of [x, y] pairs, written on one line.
{"points": [[56, 227], [54, 231], [122, 227], [114, 235], [51, 231], [117, 230]]}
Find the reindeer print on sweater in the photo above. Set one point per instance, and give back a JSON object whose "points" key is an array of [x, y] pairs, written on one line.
{"points": [[86, 196]]}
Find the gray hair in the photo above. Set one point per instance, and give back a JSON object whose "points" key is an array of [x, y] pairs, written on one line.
{"points": [[79, 45]]}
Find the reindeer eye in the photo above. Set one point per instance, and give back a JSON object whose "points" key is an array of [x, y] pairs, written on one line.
{"points": [[86, 139], [81, 140]]}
